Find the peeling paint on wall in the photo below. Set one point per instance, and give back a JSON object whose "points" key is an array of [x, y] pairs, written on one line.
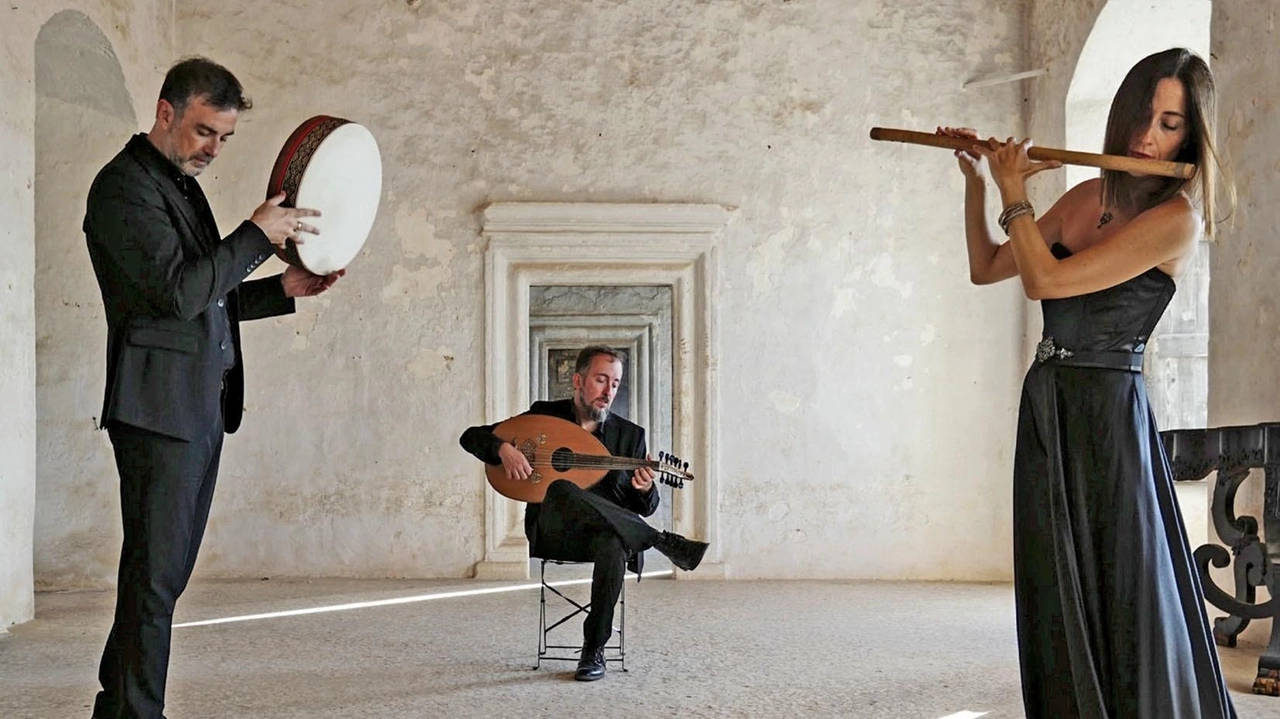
{"points": [[785, 402], [431, 364], [768, 258], [843, 255], [78, 61]]}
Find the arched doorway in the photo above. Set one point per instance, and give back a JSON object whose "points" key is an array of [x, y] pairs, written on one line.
{"points": [[83, 116], [1177, 357]]}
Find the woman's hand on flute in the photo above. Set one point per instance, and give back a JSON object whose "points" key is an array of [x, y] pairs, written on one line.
{"points": [[1010, 166], [970, 162]]}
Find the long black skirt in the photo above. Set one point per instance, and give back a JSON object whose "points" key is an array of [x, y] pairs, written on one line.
{"points": [[1111, 617]]}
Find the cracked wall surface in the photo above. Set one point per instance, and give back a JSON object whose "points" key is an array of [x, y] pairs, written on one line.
{"points": [[872, 390], [89, 67], [1244, 321]]}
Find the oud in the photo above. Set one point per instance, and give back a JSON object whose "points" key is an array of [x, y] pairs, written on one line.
{"points": [[560, 449]]}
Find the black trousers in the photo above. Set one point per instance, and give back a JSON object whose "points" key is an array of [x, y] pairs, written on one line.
{"points": [[578, 526], [166, 488]]}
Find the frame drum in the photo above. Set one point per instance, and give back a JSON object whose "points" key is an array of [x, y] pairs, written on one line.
{"points": [[331, 165]]}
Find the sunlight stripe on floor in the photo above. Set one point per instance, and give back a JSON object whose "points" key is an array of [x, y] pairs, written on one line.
{"points": [[397, 600], [965, 715]]}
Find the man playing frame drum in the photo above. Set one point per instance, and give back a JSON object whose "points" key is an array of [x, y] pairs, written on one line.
{"points": [[174, 292]]}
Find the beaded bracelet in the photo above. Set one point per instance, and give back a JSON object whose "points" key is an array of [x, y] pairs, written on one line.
{"points": [[1014, 211]]}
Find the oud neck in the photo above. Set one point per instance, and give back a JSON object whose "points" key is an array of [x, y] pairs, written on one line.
{"points": [[624, 463]]}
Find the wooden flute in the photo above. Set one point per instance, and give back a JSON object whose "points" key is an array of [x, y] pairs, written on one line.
{"points": [[1122, 163]]}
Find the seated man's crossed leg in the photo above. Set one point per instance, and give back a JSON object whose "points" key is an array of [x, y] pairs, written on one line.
{"points": [[578, 526]]}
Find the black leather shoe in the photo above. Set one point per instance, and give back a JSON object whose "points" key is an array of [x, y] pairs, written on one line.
{"points": [[684, 553], [591, 665]]}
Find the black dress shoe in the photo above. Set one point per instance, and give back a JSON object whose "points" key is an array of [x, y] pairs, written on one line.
{"points": [[591, 665], [684, 553]]}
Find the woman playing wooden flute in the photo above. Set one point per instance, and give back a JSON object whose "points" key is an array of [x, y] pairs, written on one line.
{"points": [[1111, 618]]}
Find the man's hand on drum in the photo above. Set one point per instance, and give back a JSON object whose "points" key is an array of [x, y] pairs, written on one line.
{"points": [[514, 462], [301, 283], [281, 224]]}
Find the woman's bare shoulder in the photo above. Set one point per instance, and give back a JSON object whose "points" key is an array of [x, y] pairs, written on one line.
{"points": [[1089, 189], [1085, 196]]}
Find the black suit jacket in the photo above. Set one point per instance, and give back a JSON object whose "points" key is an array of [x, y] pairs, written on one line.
{"points": [[173, 296], [621, 437]]}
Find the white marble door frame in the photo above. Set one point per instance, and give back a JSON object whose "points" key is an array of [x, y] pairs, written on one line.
{"points": [[595, 244]]}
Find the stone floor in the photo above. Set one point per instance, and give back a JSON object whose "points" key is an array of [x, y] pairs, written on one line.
{"points": [[695, 649]]}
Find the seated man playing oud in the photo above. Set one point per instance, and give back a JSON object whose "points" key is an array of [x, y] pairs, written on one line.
{"points": [[603, 524]]}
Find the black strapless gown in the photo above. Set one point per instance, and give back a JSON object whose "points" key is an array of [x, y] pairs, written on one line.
{"points": [[1111, 618]]}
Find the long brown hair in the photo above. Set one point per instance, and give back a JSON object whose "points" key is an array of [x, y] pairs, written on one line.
{"points": [[1131, 112]]}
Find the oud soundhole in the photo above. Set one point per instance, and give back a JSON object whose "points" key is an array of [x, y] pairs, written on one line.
{"points": [[562, 459]]}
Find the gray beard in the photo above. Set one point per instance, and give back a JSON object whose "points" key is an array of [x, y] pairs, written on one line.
{"points": [[177, 162], [589, 411]]}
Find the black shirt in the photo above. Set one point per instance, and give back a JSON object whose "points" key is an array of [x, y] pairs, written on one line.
{"points": [[619, 436]]}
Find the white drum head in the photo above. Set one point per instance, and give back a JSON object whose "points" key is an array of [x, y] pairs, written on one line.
{"points": [[338, 171], [343, 181]]}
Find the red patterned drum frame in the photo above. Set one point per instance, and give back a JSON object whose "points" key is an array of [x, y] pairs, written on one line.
{"points": [[332, 165]]}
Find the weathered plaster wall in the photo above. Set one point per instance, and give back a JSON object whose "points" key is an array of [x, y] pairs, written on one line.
{"points": [[871, 388], [1056, 32], [81, 101], [1243, 386], [139, 34], [1246, 320]]}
